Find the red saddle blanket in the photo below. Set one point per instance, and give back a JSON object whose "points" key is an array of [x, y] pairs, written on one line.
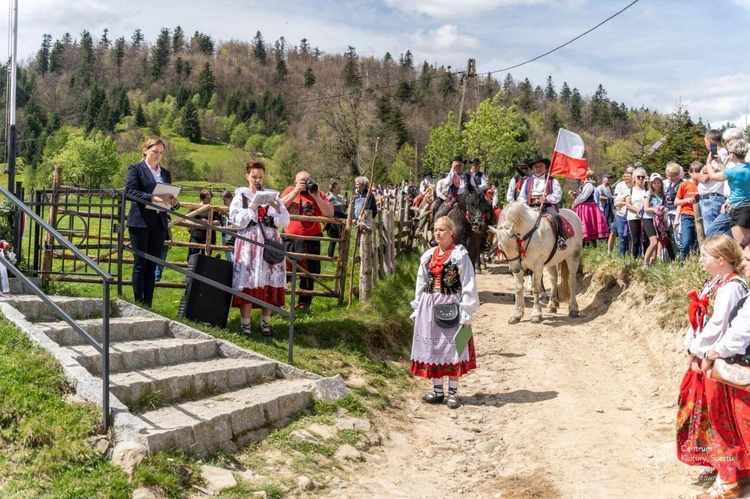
{"points": [[569, 231]]}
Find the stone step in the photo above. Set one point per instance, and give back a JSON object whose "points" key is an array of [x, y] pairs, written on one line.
{"points": [[120, 329], [144, 354], [176, 382], [36, 310], [224, 421]]}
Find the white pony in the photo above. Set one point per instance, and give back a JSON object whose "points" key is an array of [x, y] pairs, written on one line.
{"points": [[529, 242]]}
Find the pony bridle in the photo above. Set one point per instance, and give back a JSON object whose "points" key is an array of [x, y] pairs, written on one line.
{"points": [[521, 240]]}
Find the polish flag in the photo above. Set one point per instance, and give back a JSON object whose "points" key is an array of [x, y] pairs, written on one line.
{"points": [[567, 160]]}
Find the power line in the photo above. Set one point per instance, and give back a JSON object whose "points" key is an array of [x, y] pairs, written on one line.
{"points": [[566, 43]]}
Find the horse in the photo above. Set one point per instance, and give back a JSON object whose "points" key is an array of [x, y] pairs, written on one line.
{"points": [[469, 216], [529, 242]]}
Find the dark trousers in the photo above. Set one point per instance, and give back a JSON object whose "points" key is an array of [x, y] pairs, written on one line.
{"points": [[149, 241], [636, 241], [312, 266]]}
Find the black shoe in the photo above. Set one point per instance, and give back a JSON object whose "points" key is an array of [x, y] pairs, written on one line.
{"points": [[265, 329], [433, 398], [452, 401], [244, 329], [562, 244]]}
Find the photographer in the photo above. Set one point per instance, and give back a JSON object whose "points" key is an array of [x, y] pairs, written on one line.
{"points": [[305, 198]]}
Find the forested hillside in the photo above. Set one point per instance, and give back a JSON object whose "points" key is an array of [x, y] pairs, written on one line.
{"points": [[87, 102]]}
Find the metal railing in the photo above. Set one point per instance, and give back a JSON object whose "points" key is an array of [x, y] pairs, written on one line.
{"points": [[189, 273], [106, 279]]}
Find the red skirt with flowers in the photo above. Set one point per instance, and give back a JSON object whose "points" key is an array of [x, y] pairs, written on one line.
{"points": [[269, 294], [430, 371], [713, 426]]}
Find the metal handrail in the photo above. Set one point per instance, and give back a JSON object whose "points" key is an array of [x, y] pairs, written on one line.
{"points": [[188, 273], [107, 278]]}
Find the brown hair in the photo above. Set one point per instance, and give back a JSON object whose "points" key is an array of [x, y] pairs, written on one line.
{"points": [[255, 165], [696, 166], [725, 247], [226, 195], [151, 142], [205, 193]]}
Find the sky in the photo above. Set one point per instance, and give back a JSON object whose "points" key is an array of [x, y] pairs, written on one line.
{"points": [[658, 53]]}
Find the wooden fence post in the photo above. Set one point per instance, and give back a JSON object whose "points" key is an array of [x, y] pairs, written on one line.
{"points": [[49, 240], [346, 235], [366, 230]]}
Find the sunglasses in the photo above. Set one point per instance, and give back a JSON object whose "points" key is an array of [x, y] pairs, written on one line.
{"points": [[640, 176]]}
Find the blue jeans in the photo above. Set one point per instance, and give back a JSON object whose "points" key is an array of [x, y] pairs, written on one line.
{"points": [[710, 209], [720, 226], [160, 268], [621, 223], [689, 235]]}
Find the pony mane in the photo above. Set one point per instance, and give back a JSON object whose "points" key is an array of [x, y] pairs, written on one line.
{"points": [[515, 213]]}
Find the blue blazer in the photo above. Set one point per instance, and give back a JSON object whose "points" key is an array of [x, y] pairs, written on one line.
{"points": [[141, 184]]}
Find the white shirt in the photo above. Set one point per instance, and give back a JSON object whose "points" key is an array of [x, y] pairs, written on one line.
{"points": [[510, 196], [444, 184], [621, 192], [483, 184], [156, 173], [715, 186], [423, 185], [713, 330], [636, 199], [736, 339], [587, 190], [539, 188]]}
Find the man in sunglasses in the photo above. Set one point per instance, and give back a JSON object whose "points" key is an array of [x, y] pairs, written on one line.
{"points": [[514, 189]]}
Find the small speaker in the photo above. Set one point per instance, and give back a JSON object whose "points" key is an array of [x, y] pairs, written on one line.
{"points": [[203, 302]]}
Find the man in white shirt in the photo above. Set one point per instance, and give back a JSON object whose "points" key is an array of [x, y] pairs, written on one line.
{"points": [[480, 178], [711, 192], [722, 223], [427, 181], [622, 190], [514, 188], [545, 192]]}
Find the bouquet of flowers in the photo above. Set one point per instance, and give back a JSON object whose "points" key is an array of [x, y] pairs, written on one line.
{"points": [[6, 250]]}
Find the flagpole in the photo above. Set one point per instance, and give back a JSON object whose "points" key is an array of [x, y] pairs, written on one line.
{"points": [[12, 101], [546, 176]]}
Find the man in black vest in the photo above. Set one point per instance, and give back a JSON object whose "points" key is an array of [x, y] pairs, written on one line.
{"points": [[514, 189]]}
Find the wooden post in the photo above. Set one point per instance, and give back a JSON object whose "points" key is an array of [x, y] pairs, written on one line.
{"points": [[365, 269], [391, 245], [402, 243], [346, 235], [49, 240], [699, 229], [380, 242]]}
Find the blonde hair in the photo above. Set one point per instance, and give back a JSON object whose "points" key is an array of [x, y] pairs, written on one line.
{"points": [[151, 142], [739, 147], [674, 167], [447, 222], [725, 247]]}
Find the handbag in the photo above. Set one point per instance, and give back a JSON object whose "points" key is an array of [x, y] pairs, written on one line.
{"points": [[446, 315], [273, 252], [731, 374]]}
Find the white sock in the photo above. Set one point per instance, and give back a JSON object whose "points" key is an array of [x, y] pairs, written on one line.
{"points": [[437, 385], [452, 386], [244, 321]]}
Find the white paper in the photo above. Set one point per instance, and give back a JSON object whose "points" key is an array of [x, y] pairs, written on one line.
{"points": [[264, 198], [162, 189]]}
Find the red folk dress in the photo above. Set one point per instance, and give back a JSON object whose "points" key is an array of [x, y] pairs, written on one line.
{"points": [[713, 419]]}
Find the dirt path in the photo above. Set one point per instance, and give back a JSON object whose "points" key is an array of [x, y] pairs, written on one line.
{"points": [[566, 408]]}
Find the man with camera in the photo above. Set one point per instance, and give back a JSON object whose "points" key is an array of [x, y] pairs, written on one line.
{"points": [[305, 198]]}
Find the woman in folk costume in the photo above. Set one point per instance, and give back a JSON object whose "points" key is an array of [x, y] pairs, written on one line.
{"points": [[544, 191], [595, 226], [445, 275], [707, 432], [253, 275]]}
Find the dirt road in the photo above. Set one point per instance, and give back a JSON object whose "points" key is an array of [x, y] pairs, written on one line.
{"points": [[567, 408]]}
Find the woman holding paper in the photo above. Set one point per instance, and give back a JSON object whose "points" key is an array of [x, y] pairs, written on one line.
{"points": [[257, 214], [148, 227], [446, 276]]}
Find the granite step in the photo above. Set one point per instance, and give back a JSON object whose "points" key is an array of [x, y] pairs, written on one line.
{"points": [[35, 310], [225, 421], [176, 382], [120, 329], [144, 354]]}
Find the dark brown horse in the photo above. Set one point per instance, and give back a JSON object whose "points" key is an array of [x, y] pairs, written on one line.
{"points": [[470, 215]]}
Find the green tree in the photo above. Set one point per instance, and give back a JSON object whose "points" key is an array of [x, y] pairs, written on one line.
{"points": [[259, 48], [445, 142], [600, 107], [681, 142], [350, 74], [160, 55], [178, 40], [448, 85], [202, 43], [42, 57], [119, 52], [576, 107], [140, 117], [239, 135], [565, 94], [137, 38], [549, 91], [87, 60], [425, 78], [206, 84], [309, 78], [97, 99], [55, 57], [526, 99], [88, 162], [403, 167], [281, 70], [191, 123]]}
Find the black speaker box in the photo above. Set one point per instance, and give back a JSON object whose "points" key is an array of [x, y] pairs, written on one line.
{"points": [[203, 302]]}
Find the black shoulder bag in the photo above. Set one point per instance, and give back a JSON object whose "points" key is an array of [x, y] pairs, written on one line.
{"points": [[447, 315], [273, 252]]}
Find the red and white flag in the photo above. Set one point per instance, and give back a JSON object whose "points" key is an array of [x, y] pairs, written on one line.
{"points": [[567, 160]]}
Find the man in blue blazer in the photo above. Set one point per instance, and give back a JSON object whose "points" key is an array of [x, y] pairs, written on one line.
{"points": [[147, 227]]}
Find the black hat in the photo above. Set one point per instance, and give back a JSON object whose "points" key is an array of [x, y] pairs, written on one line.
{"points": [[475, 160], [457, 158], [524, 162], [538, 159], [428, 172]]}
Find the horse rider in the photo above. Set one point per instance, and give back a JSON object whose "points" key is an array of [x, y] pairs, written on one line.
{"points": [[514, 189], [480, 179], [427, 181], [544, 191], [452, 186]]}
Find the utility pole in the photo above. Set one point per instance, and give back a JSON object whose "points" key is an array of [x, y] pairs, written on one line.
{"points": [[12, 100], [471, 72]]}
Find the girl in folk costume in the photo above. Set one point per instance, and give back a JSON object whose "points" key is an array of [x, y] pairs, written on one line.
{"points": [[445, 276], [707, 432], [595, 226], [253, 275]]}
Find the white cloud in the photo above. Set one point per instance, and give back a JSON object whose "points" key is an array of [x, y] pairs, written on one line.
{"points": [[745, 4], [461, 8], [442, 39]]}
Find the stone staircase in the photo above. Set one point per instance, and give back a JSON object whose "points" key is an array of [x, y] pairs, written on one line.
{"points": [[171, 386]]}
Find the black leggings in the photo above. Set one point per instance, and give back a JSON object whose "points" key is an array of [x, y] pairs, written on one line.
{"points": [[635, 239]]}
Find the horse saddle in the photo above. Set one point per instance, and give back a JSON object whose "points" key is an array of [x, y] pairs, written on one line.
{"points": [[567, 226]]}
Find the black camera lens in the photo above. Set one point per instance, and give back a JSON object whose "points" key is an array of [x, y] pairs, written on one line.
{"points": [[311, 186]]}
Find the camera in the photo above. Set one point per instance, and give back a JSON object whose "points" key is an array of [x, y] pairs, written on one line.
{"points": [[311, 186]]}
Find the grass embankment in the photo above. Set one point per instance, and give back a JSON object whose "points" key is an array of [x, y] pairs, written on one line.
{"points": [[43, 451], [670, 280]]}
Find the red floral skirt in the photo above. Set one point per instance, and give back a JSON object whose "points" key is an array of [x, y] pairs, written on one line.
{"points": [[269, 294], [430, 371], [713, 426]]}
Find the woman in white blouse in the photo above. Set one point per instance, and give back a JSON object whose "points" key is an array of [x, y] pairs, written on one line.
{"points": [[253, 275]]}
